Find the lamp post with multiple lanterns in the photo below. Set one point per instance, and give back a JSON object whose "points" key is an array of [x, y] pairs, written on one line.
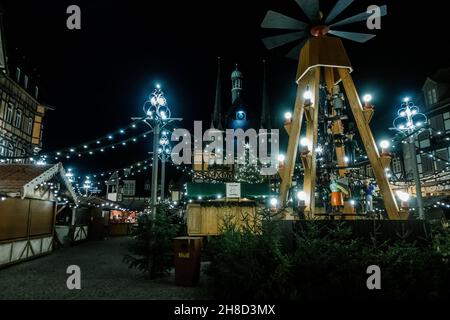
{"points": [[164, 153], [408, 121], [157, 116]]}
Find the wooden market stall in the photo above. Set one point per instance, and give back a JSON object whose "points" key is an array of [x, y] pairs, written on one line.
{"points": [[213, 204], [31, 196]]}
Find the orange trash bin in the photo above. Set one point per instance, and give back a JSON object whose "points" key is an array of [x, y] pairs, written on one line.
{"points": [[187, 260]]}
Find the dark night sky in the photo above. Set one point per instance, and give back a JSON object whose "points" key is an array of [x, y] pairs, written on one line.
{"points": [[99, 77]]}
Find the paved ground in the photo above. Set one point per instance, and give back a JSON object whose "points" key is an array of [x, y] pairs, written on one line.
{"points": [[103, 276]]}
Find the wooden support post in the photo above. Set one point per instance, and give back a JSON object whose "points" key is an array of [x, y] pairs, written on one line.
{"points": [[294, 136], [369, 145], [287, 127], [368, 114], [312, 128], [60, 209]]}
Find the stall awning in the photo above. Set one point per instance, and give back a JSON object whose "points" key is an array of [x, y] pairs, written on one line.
{"points": [[20, 180]]}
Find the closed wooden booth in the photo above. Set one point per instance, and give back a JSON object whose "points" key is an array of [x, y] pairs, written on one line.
{"points": [[213, 204], [28, 207]]}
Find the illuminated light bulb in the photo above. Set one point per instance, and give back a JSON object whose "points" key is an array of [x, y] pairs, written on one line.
{"points": [[307, 95], [384, 144], [304, 142], [273, 202], [288, 116], [403, 196], [281, 158], [367, 98], [301, 195]]}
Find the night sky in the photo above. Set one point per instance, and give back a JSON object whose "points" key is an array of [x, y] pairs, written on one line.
{"points": [[99, 77]]}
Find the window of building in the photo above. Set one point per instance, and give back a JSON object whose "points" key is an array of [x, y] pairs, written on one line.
{"points": [[424, 139], [434, 95], [437, 124], [129, 188], [441, 159], [429, 97], [19, 152], [18, 119], [396, 165], [9, 113], [2, 148], [30, 126], [427, 164]]}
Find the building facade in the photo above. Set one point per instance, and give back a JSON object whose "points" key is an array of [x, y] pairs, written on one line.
{"points": [[21, 115], [21, 118], [433, 143]]}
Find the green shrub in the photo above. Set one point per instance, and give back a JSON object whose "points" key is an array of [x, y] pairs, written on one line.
{"points": [[327, 262], [247, 262], [151, 250]]}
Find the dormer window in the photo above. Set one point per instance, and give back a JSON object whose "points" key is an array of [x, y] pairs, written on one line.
{"points": [[432, 97]]}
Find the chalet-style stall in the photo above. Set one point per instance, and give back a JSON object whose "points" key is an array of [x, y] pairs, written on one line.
{"points": [[213, 203], [31, 197], [103, 217]]}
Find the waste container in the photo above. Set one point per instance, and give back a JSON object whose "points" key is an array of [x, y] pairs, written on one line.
{"points": [[187, 260]]}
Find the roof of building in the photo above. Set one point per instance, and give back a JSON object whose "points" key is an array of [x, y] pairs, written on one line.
{"points": [[441, 76], [21, 179]]}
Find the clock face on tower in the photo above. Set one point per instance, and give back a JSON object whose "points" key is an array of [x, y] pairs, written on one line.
{"points": [[241, 115]]}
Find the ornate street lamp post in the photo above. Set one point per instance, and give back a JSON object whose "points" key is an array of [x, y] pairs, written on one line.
{"points": [[164, 153], [408, 122], [157, 116]]}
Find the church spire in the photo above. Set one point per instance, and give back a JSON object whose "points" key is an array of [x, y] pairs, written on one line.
{"points": [[216, 121], [265, 111], [236, 85]]}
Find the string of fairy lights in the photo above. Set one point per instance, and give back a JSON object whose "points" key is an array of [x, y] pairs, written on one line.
{"points": [[101, 144]]}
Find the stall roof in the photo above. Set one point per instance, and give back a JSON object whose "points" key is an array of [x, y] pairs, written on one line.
{"points": [[20, 180]]}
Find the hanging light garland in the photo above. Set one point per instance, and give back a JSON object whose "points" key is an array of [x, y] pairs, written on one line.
{"points": [[84, 148]]}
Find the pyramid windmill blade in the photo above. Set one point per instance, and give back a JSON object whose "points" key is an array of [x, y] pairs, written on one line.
{"points": [[275, 20], [277, 41], [340, 6], [354, 36], [359, 17], [295, 52], [310, 8]]}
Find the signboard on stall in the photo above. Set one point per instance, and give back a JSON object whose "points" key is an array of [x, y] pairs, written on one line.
{"points": [[233, 190]]}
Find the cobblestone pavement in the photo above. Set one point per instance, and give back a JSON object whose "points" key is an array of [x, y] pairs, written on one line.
{"points": [[103, 276]]}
